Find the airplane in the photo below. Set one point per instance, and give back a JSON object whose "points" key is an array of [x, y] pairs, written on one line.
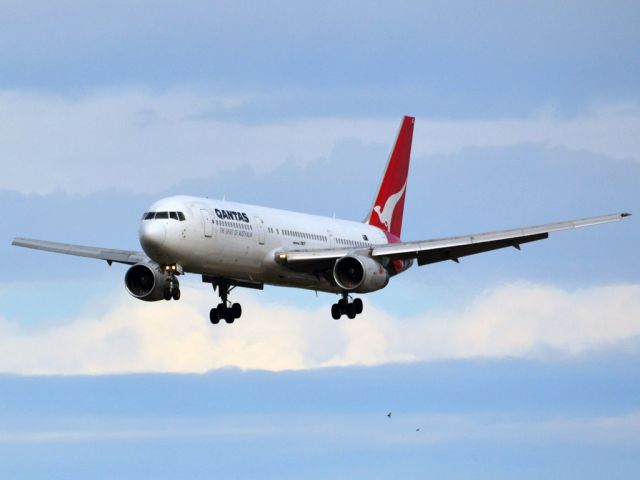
{"points": [[236, 245]]}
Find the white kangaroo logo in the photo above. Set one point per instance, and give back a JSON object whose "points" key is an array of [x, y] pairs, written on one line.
{"points": [[386, 214]]}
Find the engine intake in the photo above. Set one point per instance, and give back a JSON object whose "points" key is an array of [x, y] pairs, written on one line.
{"points": [[360, 274], [147, 282]]}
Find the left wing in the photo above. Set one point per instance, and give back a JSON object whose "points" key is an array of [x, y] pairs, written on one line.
{"points": [[128, 257], [431, 251]]}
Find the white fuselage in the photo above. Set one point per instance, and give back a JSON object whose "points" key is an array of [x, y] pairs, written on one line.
{"points": [[238, 241]]}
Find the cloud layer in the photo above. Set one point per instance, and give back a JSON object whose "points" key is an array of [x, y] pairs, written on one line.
{"points": [[127, 336], [146, 142], [359, 429]]}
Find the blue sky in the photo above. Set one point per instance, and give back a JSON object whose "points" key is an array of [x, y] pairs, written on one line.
{"points": [[511, 364]]}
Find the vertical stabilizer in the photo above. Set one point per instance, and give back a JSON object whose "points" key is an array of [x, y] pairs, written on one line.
{"points": [[388, 206]]}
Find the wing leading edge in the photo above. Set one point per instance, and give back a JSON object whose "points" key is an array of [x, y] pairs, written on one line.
{"points": [[110, 255], [452, 248]]}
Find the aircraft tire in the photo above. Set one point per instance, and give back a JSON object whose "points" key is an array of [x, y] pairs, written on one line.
{"points": [[357, 306], [167, 294], [213, 316], [351, 312], [335, 311], [236, 310], [176, 294]]}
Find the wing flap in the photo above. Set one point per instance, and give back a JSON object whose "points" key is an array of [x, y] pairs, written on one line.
{"points": [[454, 253], [128, 257]]}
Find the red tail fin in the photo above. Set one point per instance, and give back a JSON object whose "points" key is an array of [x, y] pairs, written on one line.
{"points": [[388, 206]]}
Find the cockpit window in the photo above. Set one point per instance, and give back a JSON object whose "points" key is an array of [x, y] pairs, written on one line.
{"points": [[172, 215]]}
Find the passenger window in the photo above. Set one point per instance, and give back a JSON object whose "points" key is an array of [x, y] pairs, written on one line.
{"points": [[173, 215], [162, 215]]}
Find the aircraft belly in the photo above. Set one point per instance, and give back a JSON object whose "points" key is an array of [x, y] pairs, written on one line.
{"points": [[297, 280], [251, 266]]}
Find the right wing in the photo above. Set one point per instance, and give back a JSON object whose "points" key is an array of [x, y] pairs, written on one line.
{"points": [[110, 255], [431, 251], [438, 250]]}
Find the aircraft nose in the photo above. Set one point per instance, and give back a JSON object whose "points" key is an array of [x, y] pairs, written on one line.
{"points": [[152, 236]]}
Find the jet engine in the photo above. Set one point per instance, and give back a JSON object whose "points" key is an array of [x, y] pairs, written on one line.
{"points": [[359, 274], [147, 282]]}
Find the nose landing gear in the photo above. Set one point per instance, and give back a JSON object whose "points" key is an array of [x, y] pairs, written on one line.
{"points": [[345, 307], [172, 289], [172, 285]]}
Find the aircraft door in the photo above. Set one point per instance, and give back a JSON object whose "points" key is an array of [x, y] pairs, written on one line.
{"points": [[330, 237], [259, 223], [207, 225]]}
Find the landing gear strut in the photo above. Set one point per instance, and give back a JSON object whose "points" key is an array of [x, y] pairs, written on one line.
{"points": [[172, 289], [226, 310], [345, 307]]}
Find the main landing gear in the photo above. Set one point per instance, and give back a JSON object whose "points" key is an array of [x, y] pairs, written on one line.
{"points": [[345, 307], [225, 310]]}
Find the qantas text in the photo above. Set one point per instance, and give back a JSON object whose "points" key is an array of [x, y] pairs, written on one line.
{"points": [[230, 215]]}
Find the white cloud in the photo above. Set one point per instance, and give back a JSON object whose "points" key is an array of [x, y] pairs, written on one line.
{"points": [[130, 336], [145, 142], [527, 319]]}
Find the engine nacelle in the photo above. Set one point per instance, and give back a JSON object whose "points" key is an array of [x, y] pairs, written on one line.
{"points": [[147, 282], [360, 274]]}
